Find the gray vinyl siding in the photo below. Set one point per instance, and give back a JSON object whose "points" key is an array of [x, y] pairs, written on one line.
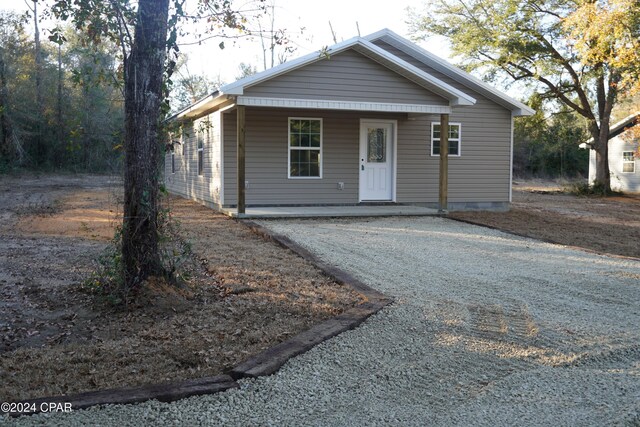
{"points": [[266, 148], [482, 173], [347, 76], [186, 181]]}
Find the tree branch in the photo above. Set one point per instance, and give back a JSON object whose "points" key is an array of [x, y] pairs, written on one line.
{"points": [[582, 96], [122, 23], [555, 89]]}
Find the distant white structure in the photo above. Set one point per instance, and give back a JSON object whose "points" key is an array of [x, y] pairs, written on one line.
{"points": [[624, 162]]}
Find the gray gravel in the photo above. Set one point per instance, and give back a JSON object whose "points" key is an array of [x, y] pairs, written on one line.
{"points": [[487, 329]]}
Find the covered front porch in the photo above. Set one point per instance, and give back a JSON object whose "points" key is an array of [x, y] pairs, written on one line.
{"points": [[339, 190], [361, 210]]}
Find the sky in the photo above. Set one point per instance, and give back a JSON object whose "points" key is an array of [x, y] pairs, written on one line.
{"points": [[345, 17]]}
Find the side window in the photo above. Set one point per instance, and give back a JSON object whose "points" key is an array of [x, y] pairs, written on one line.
{"points": [[455, 139], [628, 162], [173, 162]]}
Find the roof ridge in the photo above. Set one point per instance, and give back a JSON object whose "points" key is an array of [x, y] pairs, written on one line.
{"points": [[469, 78]]}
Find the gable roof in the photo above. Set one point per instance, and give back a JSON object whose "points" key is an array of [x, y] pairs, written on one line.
{"points": [[366, 47], [624, 124], [518, 108]]}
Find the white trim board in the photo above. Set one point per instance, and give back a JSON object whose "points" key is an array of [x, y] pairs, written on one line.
{"points": [[322, 104]]}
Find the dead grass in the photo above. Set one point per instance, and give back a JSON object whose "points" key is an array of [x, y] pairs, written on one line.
{"points": [[542, 210], [244, 295]]}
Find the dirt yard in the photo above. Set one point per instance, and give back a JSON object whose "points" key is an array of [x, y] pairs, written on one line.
{"points": [[243, 294], [543, 210]]}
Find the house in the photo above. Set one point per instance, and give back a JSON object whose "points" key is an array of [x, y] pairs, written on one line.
{"points": [[355, 123], [623, 157]]}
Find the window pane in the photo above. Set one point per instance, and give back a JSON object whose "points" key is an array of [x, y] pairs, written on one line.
{"points": [[628, 167], [453, 148], [315, 140], [436, 148], [304, 126], [314, 126], [454, 131], [305, 163], [294, 140], [315, 156], [295, 126], [304, 140], [436, 131], [304, 156], [627, 156]]}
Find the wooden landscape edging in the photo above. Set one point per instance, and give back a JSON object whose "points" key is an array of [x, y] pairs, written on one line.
{"points": [[264, 363], [270, 360]]}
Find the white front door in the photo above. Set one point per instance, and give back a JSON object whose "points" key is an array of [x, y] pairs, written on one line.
{"points": [[376, 160]]}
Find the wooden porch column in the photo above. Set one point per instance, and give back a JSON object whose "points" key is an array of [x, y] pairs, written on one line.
{"points": [[240, 159], [444, 163]]}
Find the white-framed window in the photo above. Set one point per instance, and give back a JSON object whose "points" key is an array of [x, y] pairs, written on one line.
{"points": [[173, 161], [200, 153], [455, 138], [628, 162], [305, 148]]}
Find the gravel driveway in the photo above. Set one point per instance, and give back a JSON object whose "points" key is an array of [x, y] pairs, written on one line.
{"points": [[487, 329]]}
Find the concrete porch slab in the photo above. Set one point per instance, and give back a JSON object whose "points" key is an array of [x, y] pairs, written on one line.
{"points": [[330, 211]]}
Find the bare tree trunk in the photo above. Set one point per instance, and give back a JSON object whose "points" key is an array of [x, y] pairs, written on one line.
{"points": [[39, 97], [600, 135], [143, 98], [603, 174], [59, 122], [4, 121]]}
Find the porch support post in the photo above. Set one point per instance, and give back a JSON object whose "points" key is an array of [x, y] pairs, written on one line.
{"points": [[444, 163], [241, 159]]}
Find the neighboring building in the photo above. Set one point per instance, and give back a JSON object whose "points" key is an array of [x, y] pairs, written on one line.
{"points": [[356, 122], [624, 164]]}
